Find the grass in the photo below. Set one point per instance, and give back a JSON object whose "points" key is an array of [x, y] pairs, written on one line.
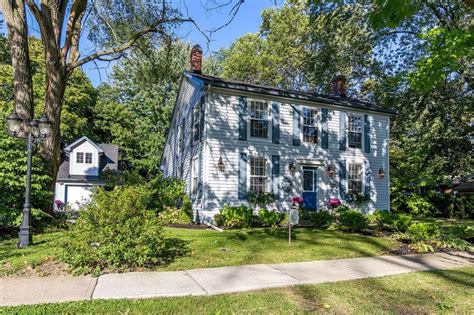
{"points": [[447, 223], [210, 248], [421, 293], [13, 259]]}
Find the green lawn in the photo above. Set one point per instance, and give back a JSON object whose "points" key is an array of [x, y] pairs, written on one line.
{"points": [[209, 248], [13, 259], [421, 293]]}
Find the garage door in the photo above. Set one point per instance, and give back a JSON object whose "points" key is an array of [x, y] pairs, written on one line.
{"points": [[76, 196]]}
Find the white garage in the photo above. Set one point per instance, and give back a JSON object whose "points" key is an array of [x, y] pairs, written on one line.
{"points": [[76, 196]]}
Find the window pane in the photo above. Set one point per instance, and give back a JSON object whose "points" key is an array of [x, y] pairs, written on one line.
{"points": [[257, 166], [258, 178], [310, 134], [88, 158], [354, 176], [308, 180], [355, 140], [258, 184], [259, 128], [258, 119], [80, 157]]}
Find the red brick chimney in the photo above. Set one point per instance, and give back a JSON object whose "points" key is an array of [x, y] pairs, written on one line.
{"points": [[196, 59], [339, 85]]}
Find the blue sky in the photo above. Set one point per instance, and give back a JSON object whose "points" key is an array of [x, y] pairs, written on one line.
{"points": [[247, 20]]}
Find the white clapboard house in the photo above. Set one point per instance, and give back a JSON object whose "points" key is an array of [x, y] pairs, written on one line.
{"points": [[228, 138], [82, 164]]}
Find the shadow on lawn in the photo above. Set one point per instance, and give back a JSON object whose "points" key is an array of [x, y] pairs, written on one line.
{"points": [[174, 248]]}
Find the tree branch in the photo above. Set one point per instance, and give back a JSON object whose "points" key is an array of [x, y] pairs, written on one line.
{"points": [[150, 29], [73, 27]]}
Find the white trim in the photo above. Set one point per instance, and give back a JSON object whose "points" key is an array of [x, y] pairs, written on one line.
{"points": [[387, 171], [357, 161], [70, 147], [268, 170], [362, 137], [269, 120]]}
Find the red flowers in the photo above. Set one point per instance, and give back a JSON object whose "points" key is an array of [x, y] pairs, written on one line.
{"points": [[334, 202], [297, 200]]}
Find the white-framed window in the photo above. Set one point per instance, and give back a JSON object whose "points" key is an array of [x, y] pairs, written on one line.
{"points": [[88, 159], [355, 177], [195, 173], [354, 131], [80, 157], [197, 123], [259, 116], [258, 174], [310, 129]]}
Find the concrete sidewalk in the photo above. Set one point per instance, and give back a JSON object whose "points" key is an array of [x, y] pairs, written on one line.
{"points": [[15, 291]]}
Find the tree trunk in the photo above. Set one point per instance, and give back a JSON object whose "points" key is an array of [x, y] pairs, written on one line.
{"points": [[14, 14], [56, 80]]}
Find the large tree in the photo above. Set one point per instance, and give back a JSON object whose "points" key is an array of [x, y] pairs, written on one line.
{"points": [[134, 110]]}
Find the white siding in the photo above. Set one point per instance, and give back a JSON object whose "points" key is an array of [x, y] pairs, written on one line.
{"points": [[223, 141], [83, 168], [189, 96]]}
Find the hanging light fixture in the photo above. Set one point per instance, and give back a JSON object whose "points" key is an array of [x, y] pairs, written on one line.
{"points": [[330, 171], [292, 167], [381, 173], [221, 165]]}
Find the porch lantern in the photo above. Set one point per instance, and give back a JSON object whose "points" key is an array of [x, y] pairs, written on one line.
{"points": [[292, 168], [330, 171], [220, 165], [381, 173]]}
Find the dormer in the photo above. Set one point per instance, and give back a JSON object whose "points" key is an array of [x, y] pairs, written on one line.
{"points": [[84, 157]]}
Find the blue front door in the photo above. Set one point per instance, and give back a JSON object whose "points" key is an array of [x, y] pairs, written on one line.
{"points": [[310, 189]]}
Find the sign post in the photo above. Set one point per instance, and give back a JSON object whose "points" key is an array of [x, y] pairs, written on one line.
{"points": [[294, 219]]}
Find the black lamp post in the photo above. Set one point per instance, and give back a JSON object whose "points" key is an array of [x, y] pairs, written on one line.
{"points": [[34, 129]]}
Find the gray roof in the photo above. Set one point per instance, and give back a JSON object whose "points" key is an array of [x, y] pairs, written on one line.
{"points": [[108, 161], [272, 91]]}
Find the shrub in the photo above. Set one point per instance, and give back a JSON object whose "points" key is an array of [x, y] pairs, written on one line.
{"points": [[383, 219], [321, 219], [462, 231], [181, 215], [116, 231], [237, 216], [355, 221], [260, 199], [219, 219], [425, 237], [269, 218], [402, 221], [341, 209], [165, 193]]}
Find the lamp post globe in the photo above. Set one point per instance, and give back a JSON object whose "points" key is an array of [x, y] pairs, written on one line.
{"points": [[14, 123], [44, 126]]}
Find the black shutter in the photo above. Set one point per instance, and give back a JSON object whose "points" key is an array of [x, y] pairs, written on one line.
{"points": [[366, 134], [296, 126], [275, 174], [276, 122], [342, 131], [243, 118], [342, 179], [243, 176], [325, 134], [201, 124]]}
